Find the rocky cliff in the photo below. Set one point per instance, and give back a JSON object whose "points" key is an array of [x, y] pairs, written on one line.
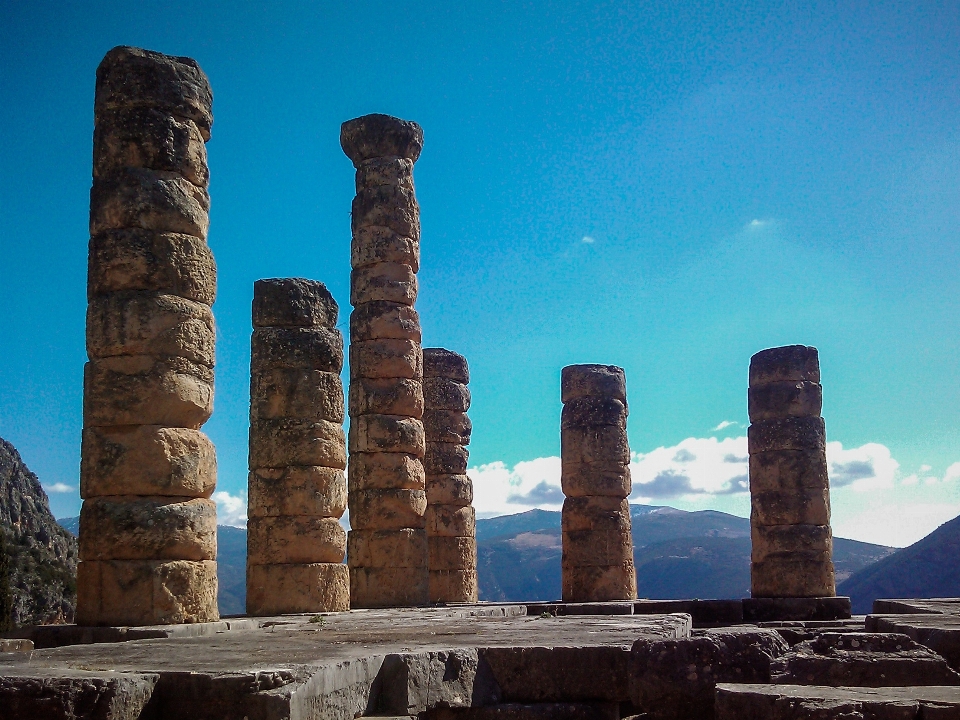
{"points": [[42, 555]]}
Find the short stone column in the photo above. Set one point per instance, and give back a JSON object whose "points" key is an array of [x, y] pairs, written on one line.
{"points": [[297, 489], [451, 521], [597, 540], [387, 547], [789, 488], [148, 528]]}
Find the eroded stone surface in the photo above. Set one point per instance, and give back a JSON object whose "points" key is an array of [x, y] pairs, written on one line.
{"points": [[386, 360], [147, 529]]}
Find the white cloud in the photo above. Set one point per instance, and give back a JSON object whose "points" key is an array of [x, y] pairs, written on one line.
{"points": [[498, 490], [894, 524], [60, 488], [695, 466], [724, 425], [231, 509], [588, 240], [868, 467]]}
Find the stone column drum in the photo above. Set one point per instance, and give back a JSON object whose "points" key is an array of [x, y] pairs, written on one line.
{"points": [[451, 521], [148, 528], [597, 541], [387, 547], [789, 488], [297, 490]]}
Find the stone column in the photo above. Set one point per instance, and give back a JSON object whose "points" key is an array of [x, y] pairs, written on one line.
{"points": [[148, 528], [789, 489], [297, 490], [451, 521], [387, 547], [597, 542]]}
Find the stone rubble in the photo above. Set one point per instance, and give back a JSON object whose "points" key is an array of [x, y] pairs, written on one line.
{"points": [[387, 545], [148, 541], [297, 490], [790, 493], [450, 518], [597, 561]]}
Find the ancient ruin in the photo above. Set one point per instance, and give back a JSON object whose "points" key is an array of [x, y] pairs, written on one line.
{"points": [[789, 489], [451, 521], [297, 489], [595, 476], [148, 528], [387, 548]]}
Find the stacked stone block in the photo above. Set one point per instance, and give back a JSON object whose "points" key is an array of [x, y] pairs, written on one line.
{"points": [[597, 561], [297, 490], [148, 528], [790, 492], [387, 547], [450, 518]]}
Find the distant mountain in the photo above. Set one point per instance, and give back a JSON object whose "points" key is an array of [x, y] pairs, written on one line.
{"points": [[928, 568], [678, 554], [42, 555], [231, 565]]}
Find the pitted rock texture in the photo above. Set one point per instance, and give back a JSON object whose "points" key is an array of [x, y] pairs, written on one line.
{"points": [[597, 562], [297, 489], [862, 660], [790, 492], [146, 470], [675, 679], [42, 556], [387, 410]]}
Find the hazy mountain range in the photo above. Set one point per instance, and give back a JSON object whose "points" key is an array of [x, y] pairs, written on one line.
{"points": [[679, 554]]}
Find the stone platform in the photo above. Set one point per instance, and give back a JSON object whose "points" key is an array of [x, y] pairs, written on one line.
{"points": [[933, 622], [341, 665]]}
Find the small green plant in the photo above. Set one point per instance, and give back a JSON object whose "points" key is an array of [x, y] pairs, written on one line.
{"points": [[318, 619], [544, 615]]}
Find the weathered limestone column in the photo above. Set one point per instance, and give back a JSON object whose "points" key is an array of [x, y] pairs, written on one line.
{"points": [[387, 547], [148, 529], [597, 541], [297, 490], [451, 521], [789, 489]]}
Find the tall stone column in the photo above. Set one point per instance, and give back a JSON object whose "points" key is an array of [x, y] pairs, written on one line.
{"points": [[789, 489], [387, 546], [298, 452], [148, 528], [451, 521], [597, 541]]}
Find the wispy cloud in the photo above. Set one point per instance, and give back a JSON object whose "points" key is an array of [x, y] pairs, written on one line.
{"points": [[587, 240], [724, 425], [60, 488], [231, 509]]}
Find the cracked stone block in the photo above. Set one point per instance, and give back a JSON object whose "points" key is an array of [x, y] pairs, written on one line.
{"points": [[142, 528], [146, 460], [294, 588], [146, 592]]}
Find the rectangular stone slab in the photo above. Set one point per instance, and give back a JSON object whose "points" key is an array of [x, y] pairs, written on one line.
{"points": [[75, 694], [144, 528], [454, 586], [142, 592], [379, 320], [146, 390], [796, 608], [296, 490], [386, 358], [387, 509], [148, 200], [295, 539], [146, 460], [282, 442], [134, 259], [377, 244], [387, 434], [313, 348], [297, 588], [405, 547], [386, 396], [801, 702], [296, 393], [387, 281], [382, 471]]}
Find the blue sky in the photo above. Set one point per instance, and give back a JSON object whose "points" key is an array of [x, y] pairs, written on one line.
{"points": [[666, 187]]}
